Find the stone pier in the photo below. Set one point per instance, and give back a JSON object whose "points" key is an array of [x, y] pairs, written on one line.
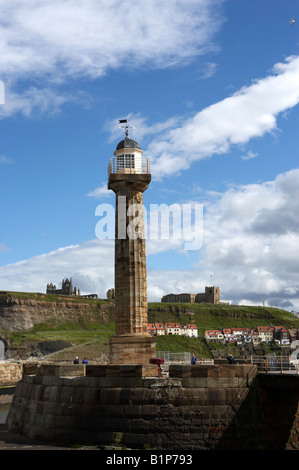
{"points": [[125, 407]]}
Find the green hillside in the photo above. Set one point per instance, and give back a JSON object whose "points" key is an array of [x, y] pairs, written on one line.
{"points": [[205, 316], [208, 316], [94, 336]]}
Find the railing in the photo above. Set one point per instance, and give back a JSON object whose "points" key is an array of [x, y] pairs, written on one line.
{"points": [[276, 364], [173, 358], [137, 165], [179, 358], [265, 363]]}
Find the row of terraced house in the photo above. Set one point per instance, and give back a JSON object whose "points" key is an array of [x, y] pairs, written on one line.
{"points": [[279, 334], [157, 329]]}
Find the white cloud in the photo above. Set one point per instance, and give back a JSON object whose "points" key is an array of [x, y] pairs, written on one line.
{"points": [[91, 261], [251, 240], [60, 41], [33, 101], [245, 251], [250, 247], [249, 155], [249, 113], [100, 192], [3, 247], [89, 264], [140, 126], [5, 160], [208, 70]]}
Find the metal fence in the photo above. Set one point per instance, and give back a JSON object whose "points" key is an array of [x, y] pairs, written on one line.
{"points": [[270, 364], [173, 358], [276, 364], [132, 165], [179, 358]]}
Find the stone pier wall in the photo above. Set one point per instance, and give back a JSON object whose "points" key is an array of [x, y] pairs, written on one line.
{"points": [[126, 407]]}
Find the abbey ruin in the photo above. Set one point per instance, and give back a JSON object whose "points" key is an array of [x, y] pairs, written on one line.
{"points": [[68, 290], [210, 296]]}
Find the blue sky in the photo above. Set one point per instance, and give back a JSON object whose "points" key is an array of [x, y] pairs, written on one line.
{"points": [[212, 89]]}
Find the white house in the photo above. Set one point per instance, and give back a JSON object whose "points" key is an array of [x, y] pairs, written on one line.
{"points": [[173, 329], [190, 330], [214, 335]]}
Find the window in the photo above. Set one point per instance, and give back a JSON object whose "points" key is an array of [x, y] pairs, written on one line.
{"points": [[125, 161]]}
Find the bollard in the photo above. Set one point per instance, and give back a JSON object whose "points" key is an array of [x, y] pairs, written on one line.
{"points": [[158, 362]]}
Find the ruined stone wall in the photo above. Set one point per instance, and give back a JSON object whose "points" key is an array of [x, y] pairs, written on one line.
{"points": [[210, 296], [10, 373]]}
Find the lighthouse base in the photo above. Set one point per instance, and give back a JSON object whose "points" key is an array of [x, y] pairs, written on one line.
{"points": [[132, 349]]}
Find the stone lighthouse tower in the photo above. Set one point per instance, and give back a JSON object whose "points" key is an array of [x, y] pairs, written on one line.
{"points": [[129, 176]]}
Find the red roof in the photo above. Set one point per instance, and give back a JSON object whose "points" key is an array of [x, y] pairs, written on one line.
{"points": [[244, 330], [265, 329], [173, 325]]}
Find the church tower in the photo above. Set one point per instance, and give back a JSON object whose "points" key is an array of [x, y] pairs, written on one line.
{"points": [[129, 176]]}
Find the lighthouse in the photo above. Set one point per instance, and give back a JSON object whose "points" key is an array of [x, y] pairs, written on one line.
{"points": [[129, 176]]}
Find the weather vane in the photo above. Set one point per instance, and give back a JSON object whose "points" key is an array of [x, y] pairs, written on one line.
{"points": [[126, 126]]}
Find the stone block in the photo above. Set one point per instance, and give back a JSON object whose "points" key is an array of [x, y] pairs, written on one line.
{"points": [[109, 382], [179, 370], [138, 395], [200, 382], [110, 395], [36, 379], [200, 370], [122, 370], [73, 370], [133, 410], [48, 369], [150, 371], [64, 394], [222, 382], [53, 370], [96, 370], [213, 371], [217, 396], [132, 349], [50, 380], [218, 371], [30, 368], [220, 410], [128, 370], [29, 379], [150, 411]]}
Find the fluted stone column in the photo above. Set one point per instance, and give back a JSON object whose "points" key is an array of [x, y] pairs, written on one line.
{"points": [[132, 343]]}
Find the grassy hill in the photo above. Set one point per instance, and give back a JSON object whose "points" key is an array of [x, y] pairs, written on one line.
{"points": [[91, 338], [209, 316]]}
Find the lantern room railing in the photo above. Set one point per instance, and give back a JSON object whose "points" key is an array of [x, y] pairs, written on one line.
{"points": [[139, 165]]}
